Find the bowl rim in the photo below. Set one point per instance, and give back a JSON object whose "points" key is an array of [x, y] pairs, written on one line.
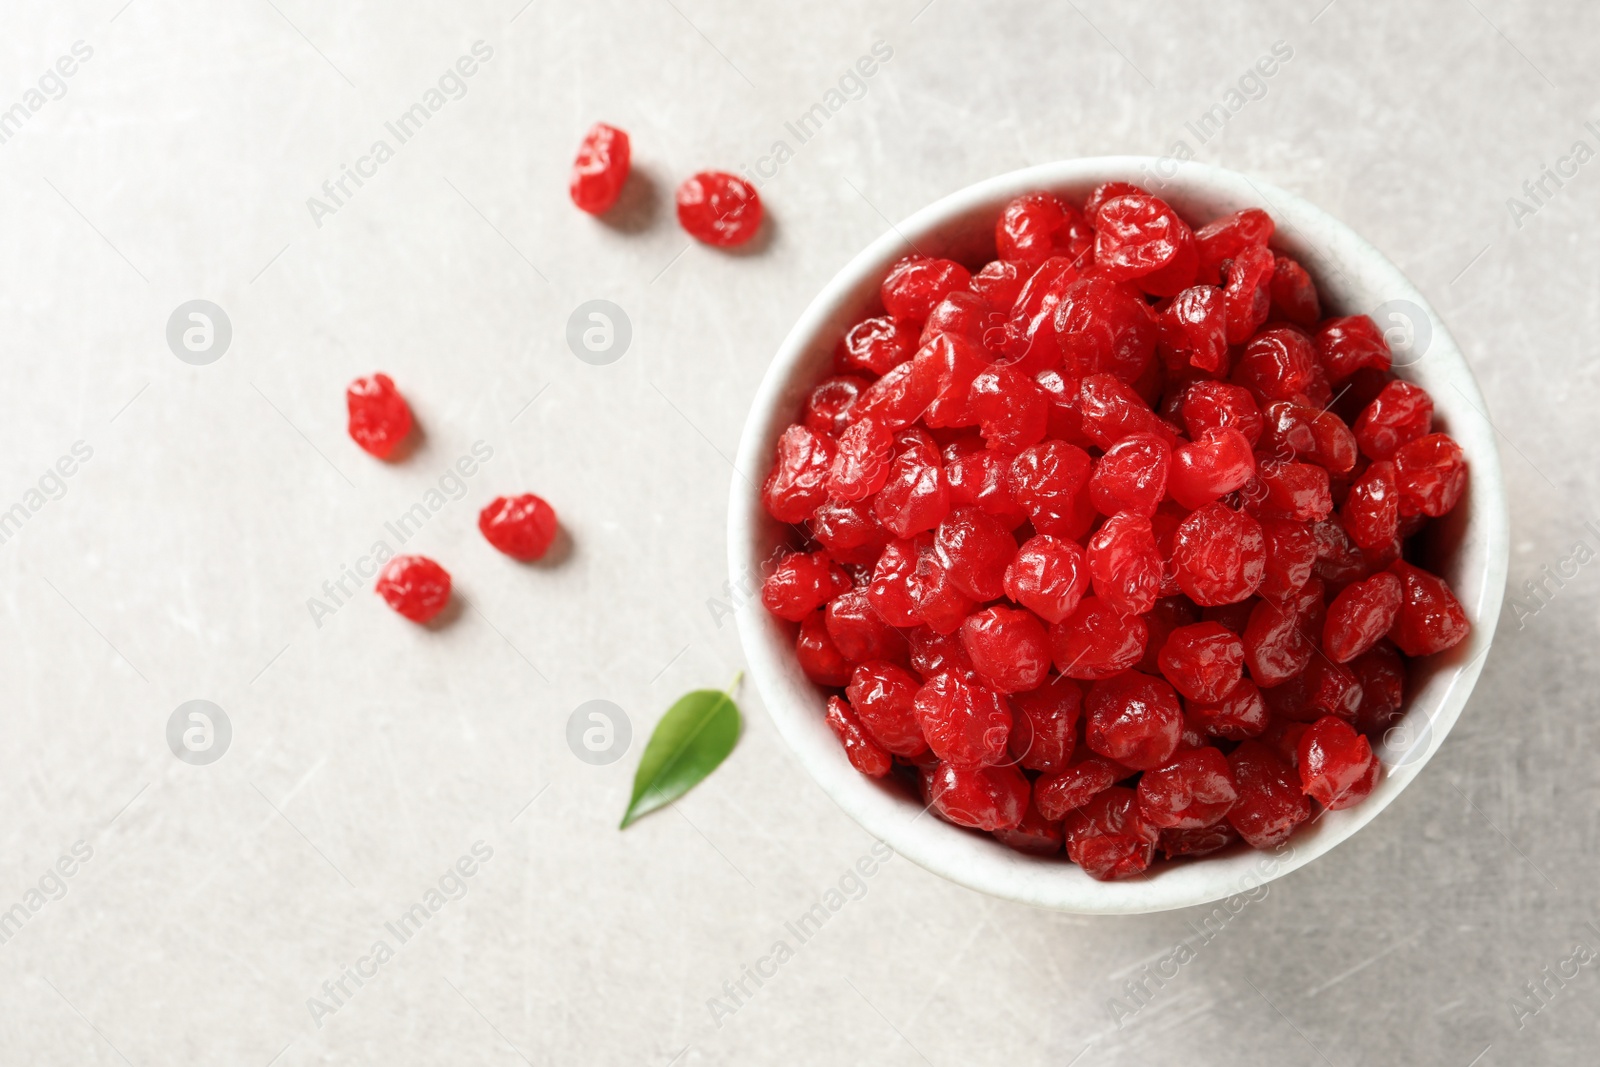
{"points": [[1480, 555]]}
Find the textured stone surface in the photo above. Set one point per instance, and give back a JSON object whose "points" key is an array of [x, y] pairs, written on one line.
{"points": [[368, 755]]}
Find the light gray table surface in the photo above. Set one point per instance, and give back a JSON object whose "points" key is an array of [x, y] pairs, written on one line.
{"points": [[208, 505]]}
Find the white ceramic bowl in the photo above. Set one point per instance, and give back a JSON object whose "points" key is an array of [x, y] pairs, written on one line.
{"points": [[1469, 547]]}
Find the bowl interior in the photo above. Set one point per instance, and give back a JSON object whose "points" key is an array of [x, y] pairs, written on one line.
{"points": [[1468, 547]]}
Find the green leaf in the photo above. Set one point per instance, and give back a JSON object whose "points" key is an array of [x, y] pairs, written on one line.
{"points": [[692, 738]]}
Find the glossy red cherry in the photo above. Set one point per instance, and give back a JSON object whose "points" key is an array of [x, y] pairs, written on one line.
{"points": [[936, 599], [1059, 792], [1337, 767], [876, 346], [1109, 837], [1204, 661], [1194, 332], [1291, 558], [849, 531], [1277, 364], [1371, 511], [1034, 835], [1240, 714], [1049, 481], [883, 696], [966, 723], [1008, 647], [819, 659], [917, 283], [936, 653], [1298, 431], [1228, 237], [1361, 614], [1113, 411], [797, 484], [1431, 475], [1049, 576], [1277, 643], [1346, 345], [414, 586], [1140, 239], [801, 583], [601, 169], [1036, 226], [523, 526], [861, 460], [1398, 415], [914, 498], [1096, 641], [1431, 618], [1134, 719], [1270, 803], [980, 798], [1132, 475], [1294, 297], [1010, 408], [829, 406], [1196, 789], [982, 478], [1044, 725], [719, 209], [1210, 406], [1125, 564], [379, 416], [863, 751], [1210, 467], [1219, 554], [1247, 292]]}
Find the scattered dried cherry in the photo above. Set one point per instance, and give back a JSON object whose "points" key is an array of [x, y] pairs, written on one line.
{"points": [[379, 416], [601, 168], [523, 526], [719, 209], [415, 586]]}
